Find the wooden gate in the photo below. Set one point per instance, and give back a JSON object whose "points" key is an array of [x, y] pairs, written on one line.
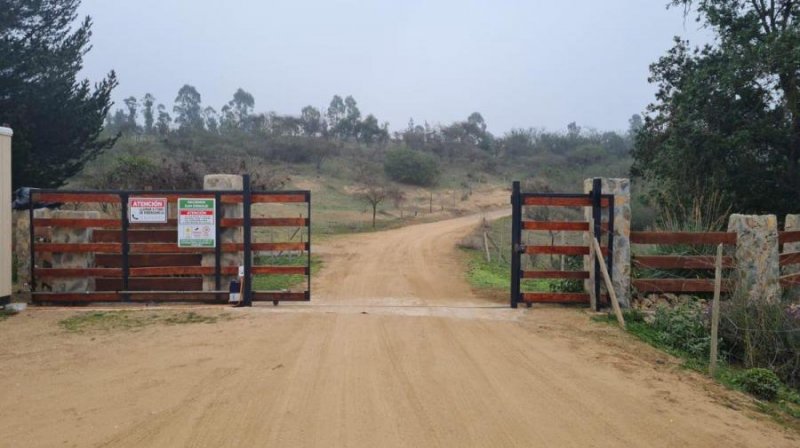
{"points": [[596, 229], [118, 260]]}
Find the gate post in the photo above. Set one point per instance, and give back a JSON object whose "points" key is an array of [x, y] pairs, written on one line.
{"points": [[757, 272], [247, 300], [223, 182], [597, 218], [516, 236], [620, 270], [5, 215], [792, 223]]}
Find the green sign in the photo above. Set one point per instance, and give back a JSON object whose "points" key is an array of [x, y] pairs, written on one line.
{"points": [[197, 223]]}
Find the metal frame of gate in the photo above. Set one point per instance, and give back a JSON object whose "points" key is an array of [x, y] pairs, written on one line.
{"points": [[595, 199], [125, 272]]}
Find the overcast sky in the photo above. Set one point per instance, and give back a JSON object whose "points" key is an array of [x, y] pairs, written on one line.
{"points": [[540, 63]]}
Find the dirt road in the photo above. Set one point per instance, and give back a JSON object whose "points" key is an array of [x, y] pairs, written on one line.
{"points": [[394, 351]]}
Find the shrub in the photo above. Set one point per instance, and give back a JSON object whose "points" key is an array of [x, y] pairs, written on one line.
{"points": [[760, 334], [682, 328], [568, 285], [411, 167], [762, 383]]}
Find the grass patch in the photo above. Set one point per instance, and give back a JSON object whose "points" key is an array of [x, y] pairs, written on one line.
{"points": [[282, 282], [785, 409], [107, 321], [496, 275]]}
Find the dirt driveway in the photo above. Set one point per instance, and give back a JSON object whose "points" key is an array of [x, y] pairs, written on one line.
{"points": [[394, 351]]}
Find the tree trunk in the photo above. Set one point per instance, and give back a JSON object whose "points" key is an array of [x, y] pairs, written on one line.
{"points": [[374, 212]]}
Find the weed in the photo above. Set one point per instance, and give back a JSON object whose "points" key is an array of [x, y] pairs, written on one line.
{"points": [[107, 321]]}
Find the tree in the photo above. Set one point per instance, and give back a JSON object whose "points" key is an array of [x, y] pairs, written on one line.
{"points": [[411, 167], [373, 194], [188, 109], [335, 113], [164, 121], [56, 119], [237, 112], [212, 119], [147, 110], [727, 116], [311, 121], [133, 113]]}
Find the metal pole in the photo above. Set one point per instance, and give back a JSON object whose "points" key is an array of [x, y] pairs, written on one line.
{"points": [[247, 300], [218, 246], [308, 261], [516, 236], [611, 237], [32, 235], [596, 221], [125, 246]]}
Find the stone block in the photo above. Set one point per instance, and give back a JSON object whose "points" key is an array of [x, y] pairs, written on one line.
{"points": [[757, 270]]}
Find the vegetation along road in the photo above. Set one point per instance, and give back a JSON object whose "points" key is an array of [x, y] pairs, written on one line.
{"points": [[394, 350]]}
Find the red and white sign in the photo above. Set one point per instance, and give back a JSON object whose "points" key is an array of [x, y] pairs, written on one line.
{"points": [[147, 210]]}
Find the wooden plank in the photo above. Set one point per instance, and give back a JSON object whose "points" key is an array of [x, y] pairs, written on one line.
{"points": [[77, 272], [668, 238], [87, 197], [77, 247], [144, 260], [278, 246], [790, 280], [555, 225], [172, 248], [576, 275], [161, 271], [609, 286], [560, 250], [790, 258], [713, 352], [265, 222], [75, 297], [555, 297], [677, 285], [270, 296], [791, 236], [151, 284], [680, 262], [136, 236], [75, 223], [280, 270], [278, 198], [583, 201]]}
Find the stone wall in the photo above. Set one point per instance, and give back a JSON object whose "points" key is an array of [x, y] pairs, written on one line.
{"points": [[66, 260]]}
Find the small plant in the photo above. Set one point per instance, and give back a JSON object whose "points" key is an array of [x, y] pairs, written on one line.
{"points": [[682, 328], [762, 383], [568, 285]]}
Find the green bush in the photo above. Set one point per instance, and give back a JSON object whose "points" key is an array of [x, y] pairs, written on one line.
{"points": [[762, 383], [682, 328], [411, 167], [569, 285]]}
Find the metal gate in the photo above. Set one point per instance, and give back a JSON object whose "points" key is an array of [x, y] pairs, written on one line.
{"points": [[103, 256], [596, 228]]}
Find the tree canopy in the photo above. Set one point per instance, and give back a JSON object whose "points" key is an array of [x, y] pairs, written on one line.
{"points": [[56, 118], [727, 115]]}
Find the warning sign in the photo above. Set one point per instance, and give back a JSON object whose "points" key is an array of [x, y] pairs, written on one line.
{"points": [[147, 210], [197, 223]]}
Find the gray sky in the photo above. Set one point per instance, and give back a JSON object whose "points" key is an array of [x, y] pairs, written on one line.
{"points": [[519, 63]]}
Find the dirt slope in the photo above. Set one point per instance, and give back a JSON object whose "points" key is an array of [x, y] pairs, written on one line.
{"points": [[364, 366]]}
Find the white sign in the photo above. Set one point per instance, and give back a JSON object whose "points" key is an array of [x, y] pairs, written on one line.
{"points": [[147, 210], [197, 222]]}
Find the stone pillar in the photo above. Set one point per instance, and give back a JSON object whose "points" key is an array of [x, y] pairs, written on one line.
{"points": [[230, 235], [621, 267], [5, 214], [22, 248], [66, 260], [792, 224], [757, 270]]}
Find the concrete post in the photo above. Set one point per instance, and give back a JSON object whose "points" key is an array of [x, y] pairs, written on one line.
{"points": [[5, 214], [621, 267], [792, 224], [757, 271], [230, 235]]}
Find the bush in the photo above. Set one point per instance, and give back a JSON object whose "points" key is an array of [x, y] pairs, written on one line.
{"points": [[568, 285], [682, 328], [759, 334], [762, 383], [411, 167]]}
